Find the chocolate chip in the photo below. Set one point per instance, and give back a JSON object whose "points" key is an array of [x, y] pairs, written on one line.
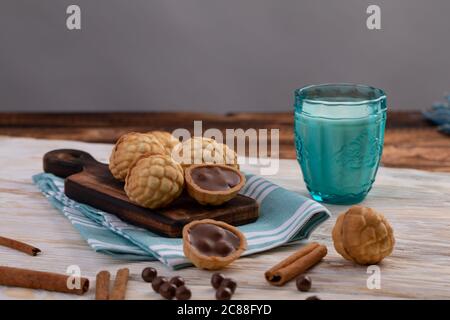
{"points": [[217, 234], [177, 281], [167, 290], [203, 246], [223, 248], [148, 274], [223, 293], [157, 282], [303, 283], [230, 284], [183, 293], [216, 280], [313, 298]]}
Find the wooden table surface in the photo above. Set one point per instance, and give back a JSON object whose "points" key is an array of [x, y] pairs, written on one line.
{"points": [[417, 203], [410, 142]]}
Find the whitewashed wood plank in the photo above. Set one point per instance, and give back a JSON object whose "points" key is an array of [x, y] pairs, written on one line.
{"points": [[417, 203]]}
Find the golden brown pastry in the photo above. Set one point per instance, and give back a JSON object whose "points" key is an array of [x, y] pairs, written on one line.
{"points": [[213, 184], [128, 148], [166, 139], [154, 181], [363, 235], [198, 150], [211, 244]]}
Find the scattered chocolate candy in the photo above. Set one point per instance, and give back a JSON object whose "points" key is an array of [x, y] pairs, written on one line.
{"points": [[157, 282], [167, 290], [223, 293], [216, 280], [148, 274], [230, 284], [303, 283], [313, 298], [183, 293], [177, 281]]}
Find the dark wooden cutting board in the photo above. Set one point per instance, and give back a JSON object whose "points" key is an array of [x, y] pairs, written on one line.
{"points": [[89, 181]]}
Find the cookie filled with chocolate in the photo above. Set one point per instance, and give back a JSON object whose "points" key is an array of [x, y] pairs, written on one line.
{"points": [[211, 244], [213, 184]]}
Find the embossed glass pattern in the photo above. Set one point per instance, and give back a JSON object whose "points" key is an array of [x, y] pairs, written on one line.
{"points": [[339, 134]]}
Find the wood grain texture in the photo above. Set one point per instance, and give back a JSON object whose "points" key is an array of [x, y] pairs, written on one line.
{"points": [[417, 204], [411, 142]]}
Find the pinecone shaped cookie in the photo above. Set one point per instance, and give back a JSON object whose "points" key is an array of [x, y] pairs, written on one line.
{"points": [[198, 150], [154, 181], [166, 138], [128, 148], [363, 235]]}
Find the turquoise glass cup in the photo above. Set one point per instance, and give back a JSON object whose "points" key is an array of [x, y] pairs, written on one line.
{"points": [[339, 134]]}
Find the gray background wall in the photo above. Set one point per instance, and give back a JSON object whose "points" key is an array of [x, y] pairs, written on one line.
{"points": [[216, 55]]}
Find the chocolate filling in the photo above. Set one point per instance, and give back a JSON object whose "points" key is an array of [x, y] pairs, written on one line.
{"points": [[215, 178], [212, 240]]}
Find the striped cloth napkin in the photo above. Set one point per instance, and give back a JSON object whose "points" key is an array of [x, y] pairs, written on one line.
{"points": [[285, 216]]}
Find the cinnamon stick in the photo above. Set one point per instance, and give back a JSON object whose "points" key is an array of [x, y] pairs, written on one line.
{"points": [[19, 246], [102, 285], [120, 284], [296, 264], [24, 278]]}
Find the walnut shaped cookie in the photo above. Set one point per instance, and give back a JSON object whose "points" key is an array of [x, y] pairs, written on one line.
{"points": [[199, 150], [154, 181], [363, 236], [211, 244], [130, 147], [213, 184], [166, 139]]}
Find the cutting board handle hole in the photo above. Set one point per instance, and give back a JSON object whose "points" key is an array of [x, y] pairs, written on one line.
{"points": [[65, 162]]}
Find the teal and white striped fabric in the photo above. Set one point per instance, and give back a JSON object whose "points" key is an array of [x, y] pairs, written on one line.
{"points": [[285, 216]]}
